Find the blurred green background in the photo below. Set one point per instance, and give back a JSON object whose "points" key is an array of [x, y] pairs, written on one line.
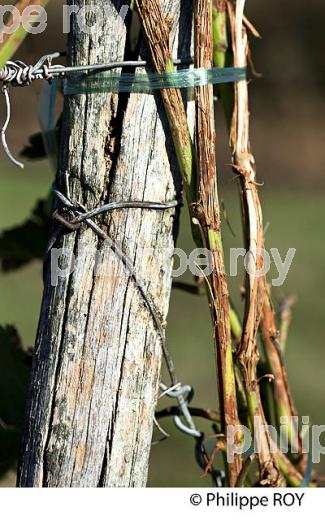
{"points": [[287, 131]]}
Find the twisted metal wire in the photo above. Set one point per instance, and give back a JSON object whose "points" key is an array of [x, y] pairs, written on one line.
{"points": [[81, 215], [19, 74], [182, 393]]}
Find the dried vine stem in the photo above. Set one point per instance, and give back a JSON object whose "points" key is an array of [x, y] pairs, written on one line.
{"points": [[283, 402], [244, 164], [282, 398], [156, 29], [207, 212], [203, 206]]}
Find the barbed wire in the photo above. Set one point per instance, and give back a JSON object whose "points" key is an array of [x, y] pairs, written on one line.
{"points": [[19, 74]]}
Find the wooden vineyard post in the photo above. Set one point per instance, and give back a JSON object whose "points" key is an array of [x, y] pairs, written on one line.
{"points": [[97, 359]]}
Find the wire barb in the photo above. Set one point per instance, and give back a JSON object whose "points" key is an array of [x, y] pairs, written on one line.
{"points": [[179, 392], [19, 74]]}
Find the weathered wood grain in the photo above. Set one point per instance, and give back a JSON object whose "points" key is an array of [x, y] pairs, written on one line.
{"points": [[97, 358]]}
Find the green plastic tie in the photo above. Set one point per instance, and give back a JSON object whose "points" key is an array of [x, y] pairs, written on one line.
{"points": [[111, 81]]}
